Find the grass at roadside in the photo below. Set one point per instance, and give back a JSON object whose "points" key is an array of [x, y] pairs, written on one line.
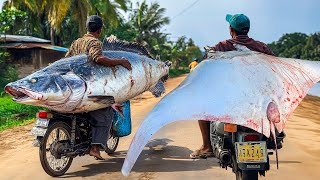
{"points": [[13, 114], [178, 72]]}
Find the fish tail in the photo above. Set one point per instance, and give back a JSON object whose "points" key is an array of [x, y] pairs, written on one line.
{"points": [[168, 63], [158, 89]]}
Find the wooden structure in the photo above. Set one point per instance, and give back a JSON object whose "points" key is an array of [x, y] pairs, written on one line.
{"points": [[30, 54]]}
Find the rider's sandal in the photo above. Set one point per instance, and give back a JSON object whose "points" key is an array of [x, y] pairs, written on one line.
{"points": [[98, 158], [197, 154]]}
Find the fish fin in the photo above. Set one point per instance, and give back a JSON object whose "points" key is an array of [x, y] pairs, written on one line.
{"points": [[102, 99], [273, 133], [168, 63], [158, 57], [112, 43], [242, 48], [158, 89]]}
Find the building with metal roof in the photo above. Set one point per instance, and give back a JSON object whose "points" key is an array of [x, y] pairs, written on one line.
{"points": [[30, 54]]}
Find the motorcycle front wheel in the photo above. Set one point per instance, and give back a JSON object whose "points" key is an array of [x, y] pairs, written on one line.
{"points": [[56, 132]]}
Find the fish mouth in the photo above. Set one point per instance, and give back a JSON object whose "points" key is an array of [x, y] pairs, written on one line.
{"points": [[21, 94]]}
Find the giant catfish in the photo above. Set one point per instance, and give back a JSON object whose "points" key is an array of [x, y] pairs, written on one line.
{"points": [[77, 84]]}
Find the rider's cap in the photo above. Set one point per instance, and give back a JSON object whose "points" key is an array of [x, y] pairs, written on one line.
{"points": [[239, 22], [94, 23]]}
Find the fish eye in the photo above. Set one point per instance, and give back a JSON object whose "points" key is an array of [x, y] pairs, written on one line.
{"points": [[33, 80]]}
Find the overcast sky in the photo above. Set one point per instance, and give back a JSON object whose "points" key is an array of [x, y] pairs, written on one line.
{"points": [[205, 21]]}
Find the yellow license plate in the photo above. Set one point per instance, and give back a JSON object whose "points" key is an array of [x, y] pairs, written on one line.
{"points": [[248, 152]]}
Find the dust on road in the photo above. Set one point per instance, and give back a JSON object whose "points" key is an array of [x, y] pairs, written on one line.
{"points": [[167, 155]]}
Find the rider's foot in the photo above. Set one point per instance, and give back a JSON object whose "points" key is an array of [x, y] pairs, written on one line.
{"points": [[206, 148], [95, 151], [203, 153]]}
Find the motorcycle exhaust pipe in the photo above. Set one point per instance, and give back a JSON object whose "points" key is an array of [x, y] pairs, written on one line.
{"points": [[224, 156]]}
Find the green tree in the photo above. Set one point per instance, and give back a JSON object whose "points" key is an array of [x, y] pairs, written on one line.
{"points": [[123, 31], [147, 21], [36, 25], [160, 46], [56, 12], [311, 50], [298, 45], [145, 25], [8, 72], [184, 51], [290, 45], [8, 18], [12, 20]]}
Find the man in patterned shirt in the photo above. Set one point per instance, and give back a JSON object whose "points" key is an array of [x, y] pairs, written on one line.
{"points": [[89, 44]]}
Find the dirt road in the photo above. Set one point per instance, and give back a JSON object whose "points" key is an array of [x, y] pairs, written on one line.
{"points": [[168, 154]]}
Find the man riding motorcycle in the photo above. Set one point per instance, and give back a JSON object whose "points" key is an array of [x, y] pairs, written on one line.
{"points": [[101, 119], [239, 28]]}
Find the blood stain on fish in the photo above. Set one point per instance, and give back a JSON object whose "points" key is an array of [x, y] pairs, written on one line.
{"points": [[253, 124], [114, 70], [208, 117]]}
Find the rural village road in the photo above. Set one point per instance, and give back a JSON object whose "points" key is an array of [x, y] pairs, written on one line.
{"points": [[167, 157]]}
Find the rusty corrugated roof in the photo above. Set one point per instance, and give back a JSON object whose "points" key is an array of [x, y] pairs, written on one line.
{"points": [[18, 38], [32, 45]]}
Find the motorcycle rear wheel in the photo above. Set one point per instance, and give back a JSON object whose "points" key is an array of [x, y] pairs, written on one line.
{"points": [[56, 132], [112, 142], [247, 175]]}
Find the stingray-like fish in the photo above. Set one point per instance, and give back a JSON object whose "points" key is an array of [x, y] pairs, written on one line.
{"points": [[241, 87]]}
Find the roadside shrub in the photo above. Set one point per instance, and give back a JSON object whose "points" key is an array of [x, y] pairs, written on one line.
{"points": [[178, 71], [14, 114], [8, 72]]}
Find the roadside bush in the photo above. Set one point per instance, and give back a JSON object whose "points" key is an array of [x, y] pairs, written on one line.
{"points": [[8, 72], [14, 114], [178, 71]]}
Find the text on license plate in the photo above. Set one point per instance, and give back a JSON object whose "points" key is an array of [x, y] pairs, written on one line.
{"points": [[251, 152], [42, 122]]}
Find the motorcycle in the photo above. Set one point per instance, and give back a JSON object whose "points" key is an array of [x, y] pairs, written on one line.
{"points": [[243, 149], [62, 137]]}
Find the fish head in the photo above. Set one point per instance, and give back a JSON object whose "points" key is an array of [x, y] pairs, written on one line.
{"points": [[53, 91], [35, 89]]}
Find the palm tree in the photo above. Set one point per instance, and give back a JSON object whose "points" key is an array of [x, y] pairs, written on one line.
{"points": [[148, 20], [109, 10], [37, 25], [57, 10], [79, 12], [54, 11]]}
